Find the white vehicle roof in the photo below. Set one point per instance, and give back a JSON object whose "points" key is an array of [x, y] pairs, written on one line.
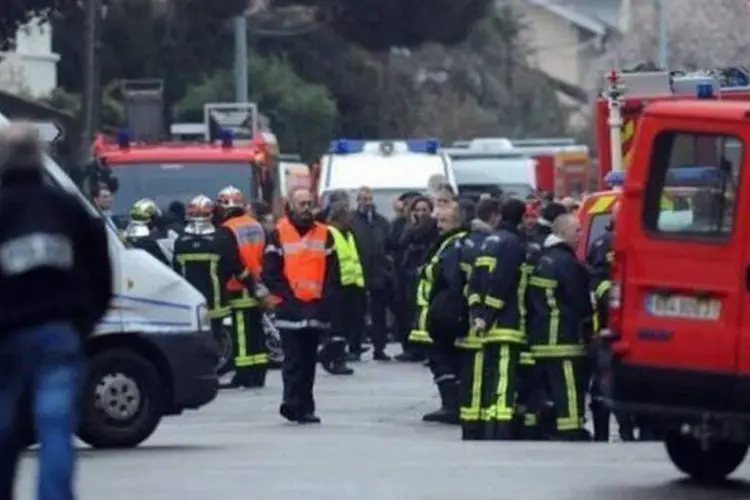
{"points": [[510, 171], [406, 165]]}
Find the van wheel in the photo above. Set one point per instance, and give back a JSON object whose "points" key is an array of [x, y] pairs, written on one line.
{"points": [[710, 465], [123, 400]]}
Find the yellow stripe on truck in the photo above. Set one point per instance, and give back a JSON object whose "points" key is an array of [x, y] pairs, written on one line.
{"points": [[602, 205]]}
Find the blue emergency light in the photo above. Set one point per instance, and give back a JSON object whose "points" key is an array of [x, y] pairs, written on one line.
{"points": [[615, 178], [689, 176], [353, 146], [123, 138], [429, 146], [346, 146], [705, 90], [226, 137]]}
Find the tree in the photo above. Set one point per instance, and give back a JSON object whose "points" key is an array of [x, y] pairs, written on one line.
{"points": [[381, 24], [302, 115], [112, 110], [701, 35]]}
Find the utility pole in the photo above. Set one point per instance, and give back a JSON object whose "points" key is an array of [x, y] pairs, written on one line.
{"points": [[92, 16], [663, 34], [240, 59]]}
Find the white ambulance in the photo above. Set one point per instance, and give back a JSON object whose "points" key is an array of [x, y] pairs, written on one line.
{"points": [[388, 168], [152, 355]]}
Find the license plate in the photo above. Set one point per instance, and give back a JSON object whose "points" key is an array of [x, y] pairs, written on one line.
{"points": [[684, 307]]}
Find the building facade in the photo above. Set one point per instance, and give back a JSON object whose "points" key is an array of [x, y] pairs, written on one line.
{"points": [[30, 69]]}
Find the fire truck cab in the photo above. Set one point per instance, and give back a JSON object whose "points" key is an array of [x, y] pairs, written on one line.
{"points": [[678, 340]]}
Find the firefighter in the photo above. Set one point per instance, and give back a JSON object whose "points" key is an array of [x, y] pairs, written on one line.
{"points": [[469, 345], [352, 295], [599, 259], [440, 296], [240, 242], [140, 231], [497, 317], [197, 260], [301, 270], [560, 316]]}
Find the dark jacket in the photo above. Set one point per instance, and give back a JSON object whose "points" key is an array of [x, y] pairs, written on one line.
{"points": [[560, 300], [371, 232], [54, 257], [446, 314], [470, 250], [599, 261], [496, 280], [197, 259], [417, 239], [292, 310]]}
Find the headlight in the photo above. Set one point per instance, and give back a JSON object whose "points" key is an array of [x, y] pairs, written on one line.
{"points": [[204, 322]]}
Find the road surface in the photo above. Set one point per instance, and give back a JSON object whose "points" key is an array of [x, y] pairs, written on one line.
{"points": [[370, 446]]}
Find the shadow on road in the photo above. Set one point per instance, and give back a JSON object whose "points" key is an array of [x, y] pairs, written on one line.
{"points": [[683, 489], [84, 451]]}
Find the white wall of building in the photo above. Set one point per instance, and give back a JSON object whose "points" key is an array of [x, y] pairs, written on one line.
{"points": [[31, 68]]}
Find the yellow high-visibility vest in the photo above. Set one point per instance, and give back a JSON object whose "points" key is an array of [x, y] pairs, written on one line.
{"points": [[349, 263]]}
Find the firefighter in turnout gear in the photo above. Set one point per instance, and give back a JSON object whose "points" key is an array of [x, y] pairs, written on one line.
{"points": [[599, 259], [196, 258], [471, 353], [240, 242], [497, 316], [560, 326], [140, 230], [443, 316]]}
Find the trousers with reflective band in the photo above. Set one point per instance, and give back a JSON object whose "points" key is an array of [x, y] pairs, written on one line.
{"points": [[566, 379], [304, 259], [251, 241], [419, 333], [206, 265], [349, 262], [500, 383], [249, 339], [548, 344], [470, 375]]}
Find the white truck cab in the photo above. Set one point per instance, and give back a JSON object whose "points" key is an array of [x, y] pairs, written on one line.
{"points": [[152, 355], [388, 168]]}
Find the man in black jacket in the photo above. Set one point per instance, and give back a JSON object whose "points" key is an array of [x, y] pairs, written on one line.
{"points": [[371, 231], [55, 285]]}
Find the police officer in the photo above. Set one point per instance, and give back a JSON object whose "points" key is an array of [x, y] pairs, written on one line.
{"points": [[439, 321], [140, 230], [301, 270], [498, 316], [560, 315], [469, 345], [240, 241], [352, 301], [196, 259], [599, 259]]}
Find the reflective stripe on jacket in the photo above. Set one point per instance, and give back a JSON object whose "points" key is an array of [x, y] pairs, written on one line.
{"points": [[349, 262], [304, 259]]}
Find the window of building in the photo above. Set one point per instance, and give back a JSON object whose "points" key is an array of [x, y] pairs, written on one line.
{"points": [[693, 185]]}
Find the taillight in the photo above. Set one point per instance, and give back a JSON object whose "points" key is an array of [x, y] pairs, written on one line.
{"points": [[614, 315]]}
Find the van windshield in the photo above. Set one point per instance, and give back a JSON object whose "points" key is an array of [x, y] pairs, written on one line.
{"points": [[382, 197], [478, 174], [166, 182]]}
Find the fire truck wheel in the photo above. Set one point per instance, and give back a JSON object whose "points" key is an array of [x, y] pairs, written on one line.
{"points": [[705, 465]]}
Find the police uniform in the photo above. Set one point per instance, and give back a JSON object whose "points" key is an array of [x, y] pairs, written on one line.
{"points": [[599, 260], [240, 242], [560, 315], [497, 293], [353, 302], [438, 321], [301, 271]]}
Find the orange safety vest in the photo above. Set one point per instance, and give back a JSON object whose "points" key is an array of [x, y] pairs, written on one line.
{"points": [[251, 241], [304, 259]]}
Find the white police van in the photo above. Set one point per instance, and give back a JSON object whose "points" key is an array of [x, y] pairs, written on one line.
{"points": [[388, 167], [152, 355]]}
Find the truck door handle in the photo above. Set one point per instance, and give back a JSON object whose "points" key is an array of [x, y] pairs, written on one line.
{"points": [[747, 277]]}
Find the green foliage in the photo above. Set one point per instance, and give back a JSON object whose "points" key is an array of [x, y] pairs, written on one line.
{"points": [[303, 115], [381, 24], [112, 112]]}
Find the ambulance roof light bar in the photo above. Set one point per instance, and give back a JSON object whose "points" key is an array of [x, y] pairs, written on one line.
{"points": [[385, 148]]}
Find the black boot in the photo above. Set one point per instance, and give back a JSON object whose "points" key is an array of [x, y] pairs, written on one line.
{"points": [[448, 412]]}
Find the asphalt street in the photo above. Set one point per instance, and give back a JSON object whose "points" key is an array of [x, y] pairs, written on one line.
{"points": [[371, 445]]}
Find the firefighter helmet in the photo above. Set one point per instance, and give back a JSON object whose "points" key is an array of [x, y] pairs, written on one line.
{"points": [[230, 197], [144, 210], [200, 209]]}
